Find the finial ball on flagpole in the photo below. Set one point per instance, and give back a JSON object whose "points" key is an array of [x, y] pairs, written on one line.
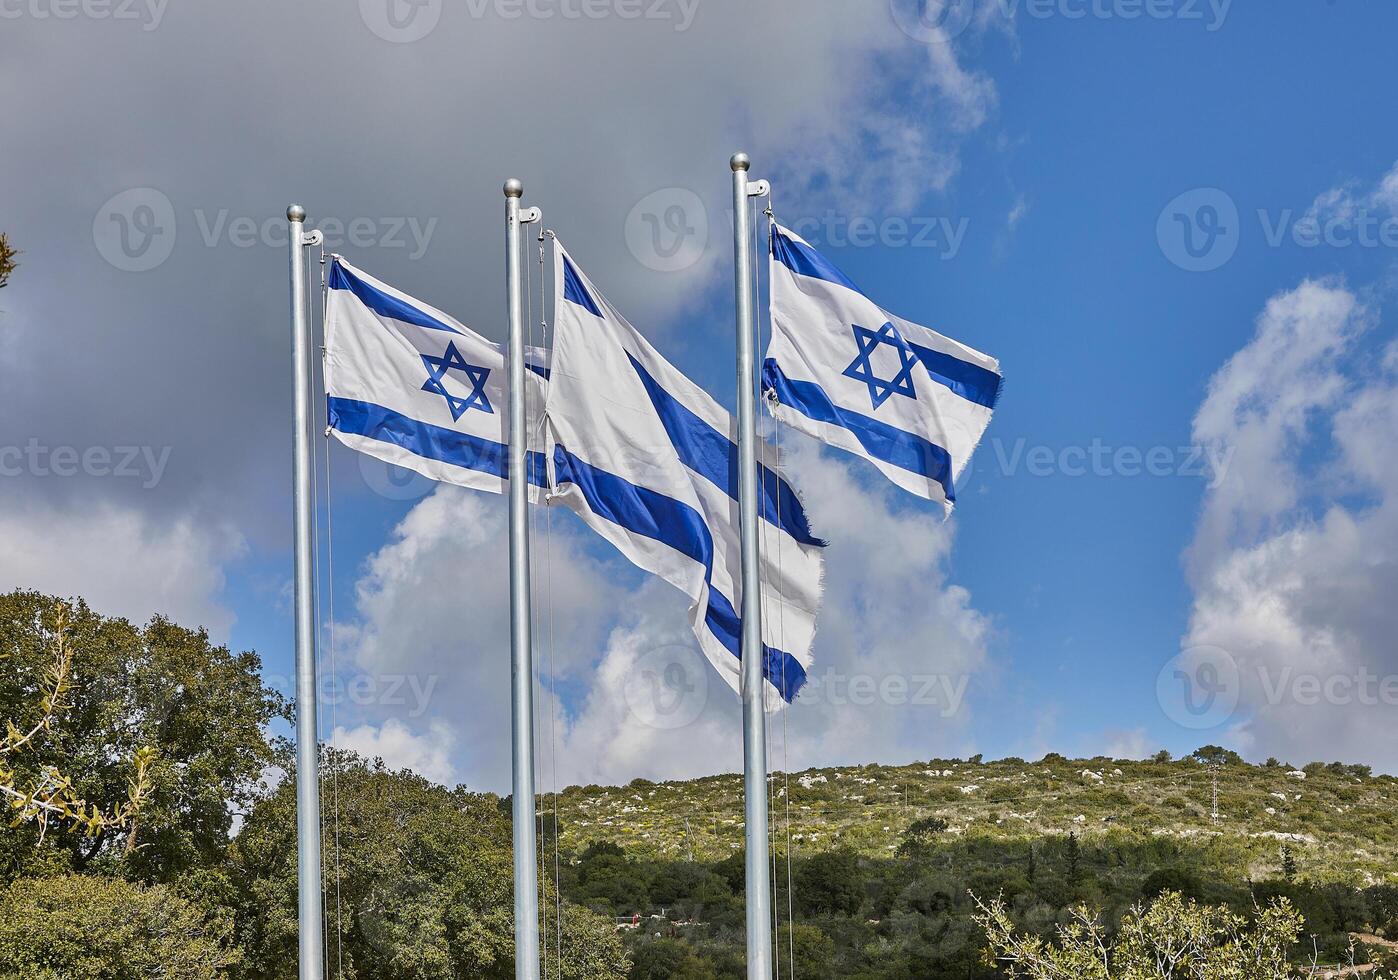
{"points": [[514, 187], [296, 213], [740, 161]]}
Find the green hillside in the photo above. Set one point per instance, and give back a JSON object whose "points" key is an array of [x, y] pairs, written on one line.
{"points": [[877, 869], [1339, 821]]}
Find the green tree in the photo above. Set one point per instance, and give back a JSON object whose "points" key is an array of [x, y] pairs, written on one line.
{"points": [[805, 951], [921, 837], [201, 708], [670, 959], [7, 260], [1170, 939], [96, 928], [42, 794], [419, 885], [830, 883], [1216, 755]]}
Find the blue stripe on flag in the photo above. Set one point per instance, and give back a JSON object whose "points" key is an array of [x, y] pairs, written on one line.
{"points": [[381, 302], [971, 381], [714, 456], [429, 441], [677, 525], [903, 449], [803, 260], [574, 291]]}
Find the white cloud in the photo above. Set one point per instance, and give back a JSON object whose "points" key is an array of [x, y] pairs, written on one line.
{"points": [[1295, 560], [896, 657], [1132, 744], [120, 560], [1347, 201], [428, 754]]}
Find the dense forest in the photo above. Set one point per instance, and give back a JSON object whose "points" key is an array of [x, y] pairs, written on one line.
{"points": [[154, 835]]}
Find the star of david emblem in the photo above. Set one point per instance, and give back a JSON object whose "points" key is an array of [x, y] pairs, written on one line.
{"points": [[862, 369], [451, 360]]}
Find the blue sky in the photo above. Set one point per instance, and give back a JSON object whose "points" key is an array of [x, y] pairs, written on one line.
{"points": [[1052, 144]]}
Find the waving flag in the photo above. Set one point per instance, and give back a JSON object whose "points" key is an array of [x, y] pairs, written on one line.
{"points": [[409, 385], [841, 369], [648, 460]]}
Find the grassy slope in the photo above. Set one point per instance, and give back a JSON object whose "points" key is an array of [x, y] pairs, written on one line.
{"points": [[1340, 825]]}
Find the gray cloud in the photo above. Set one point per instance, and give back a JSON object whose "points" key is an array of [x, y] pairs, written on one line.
{"points": [[226, 112], [1293, 563]]}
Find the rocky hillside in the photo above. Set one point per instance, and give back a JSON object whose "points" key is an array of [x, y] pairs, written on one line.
{"points": [[1335, 822]]}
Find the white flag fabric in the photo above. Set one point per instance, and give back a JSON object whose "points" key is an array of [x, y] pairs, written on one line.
{"points": [[411, 386], [649, 460], [842, 369]]}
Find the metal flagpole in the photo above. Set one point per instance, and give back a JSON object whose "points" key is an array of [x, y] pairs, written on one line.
{"points": [[759, 894], [308, 879], [521, 654]]}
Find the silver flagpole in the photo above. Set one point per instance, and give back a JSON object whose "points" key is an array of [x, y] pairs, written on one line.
{"points": [[521, 654], [308, 881], [759, 894]]}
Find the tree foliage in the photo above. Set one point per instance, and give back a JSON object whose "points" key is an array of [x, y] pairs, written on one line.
{"points": [[195, 712], [102, 928], [1169, 939], [47, 795], [422, 886], [7, 260]]}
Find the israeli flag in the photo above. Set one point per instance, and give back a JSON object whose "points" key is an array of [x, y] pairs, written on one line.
{"points": [[842, 369], [409, 385], [648, 460]]}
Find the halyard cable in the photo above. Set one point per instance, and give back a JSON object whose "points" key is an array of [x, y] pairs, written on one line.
{"points": [[553, 677], [319, 625], [334, 657], [781, 639], [769, 786], [533, 532]]}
